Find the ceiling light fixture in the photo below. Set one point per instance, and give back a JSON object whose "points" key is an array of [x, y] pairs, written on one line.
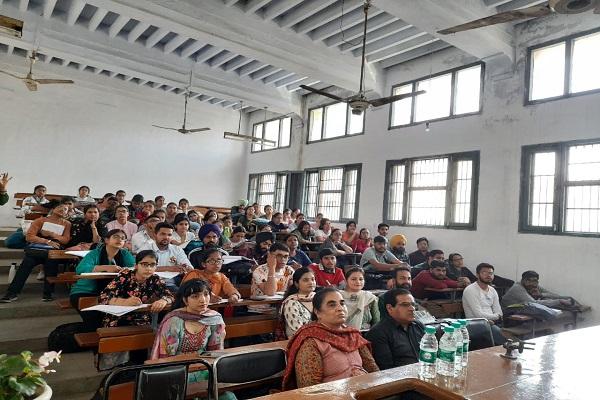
{"points": [[246, 138]]}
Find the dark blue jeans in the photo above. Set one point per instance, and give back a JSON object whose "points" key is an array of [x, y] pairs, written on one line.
{"points": [[27, 265]]}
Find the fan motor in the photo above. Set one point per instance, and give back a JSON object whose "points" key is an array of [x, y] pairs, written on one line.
{"points": [[358, 106]]}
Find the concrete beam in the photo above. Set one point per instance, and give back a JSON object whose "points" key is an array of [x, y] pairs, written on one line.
{"points": [[48, 8], [433, 15], [97, 19], [74, 11], [137, 31], [116, 26], [414, 53]]}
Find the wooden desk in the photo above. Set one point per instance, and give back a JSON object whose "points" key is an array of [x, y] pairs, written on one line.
{"points": [[452, 291], [559, 368]]}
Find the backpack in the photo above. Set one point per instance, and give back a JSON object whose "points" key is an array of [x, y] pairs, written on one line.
{"points": [[63, 338]]}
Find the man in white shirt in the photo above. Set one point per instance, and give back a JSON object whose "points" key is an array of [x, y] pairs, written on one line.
{"points": [[480, 300], [121, 222], [171, 258], [146, 235]]}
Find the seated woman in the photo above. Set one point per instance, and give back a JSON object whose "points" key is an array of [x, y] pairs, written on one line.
{"points": [[268, 213], [326, 349], [363, 309], [36, 202], [350, 235], [83, 197], [362, 242], [296, 307], [211, 262], [210, 217], [246, 221], [45, 233], [324, 230], [195, 221], [87, 232], [136, 287], [182, 235], [339, 248], [239, 245], [277, 225], [298, 258], [304, 234], [108, 257]]}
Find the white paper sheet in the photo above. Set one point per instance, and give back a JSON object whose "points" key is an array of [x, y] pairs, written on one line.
{"points": [[115, 310], [81, 254], [265, 297], [100, 274], [54, 228], [167, 274], [230, 259]]}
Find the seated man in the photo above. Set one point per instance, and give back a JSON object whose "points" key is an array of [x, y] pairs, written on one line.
{"points": [[159, 202], [378, 263], [456, 269], [434, 278], [401, 280], [135, 208], [276, 223], [395, 339], [326, 272], [35, 203], [108, 214], [398, 248], [420, 255], [437, 255], [272, 277], [382, 230], [141, 239], [121, 222], [120, 195], [480, 300], [528, 290], [209, 236]]}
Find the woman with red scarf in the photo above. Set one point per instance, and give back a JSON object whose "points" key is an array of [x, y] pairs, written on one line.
{"points": [[326, 349]]}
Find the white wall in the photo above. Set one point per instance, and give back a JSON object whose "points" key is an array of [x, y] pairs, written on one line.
{"points": [[64, 137], [566, 264]]}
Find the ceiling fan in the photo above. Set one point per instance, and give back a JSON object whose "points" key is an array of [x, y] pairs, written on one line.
{"points": [[183, 129], [359, 102], [553, 6], [31, 82], [247, 138]]}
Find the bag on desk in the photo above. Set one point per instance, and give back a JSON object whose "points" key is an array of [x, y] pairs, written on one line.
{"points": [[37, 250]]}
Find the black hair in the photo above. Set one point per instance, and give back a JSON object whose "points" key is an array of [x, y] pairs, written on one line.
{"points": [[530, 274], [120, 191], [482, 266], [352, 270], [180, 217], [67, 199], [298, 274], [121, 206], [389, 297], [382, 225], [113, 231], [334, 230], [398, 269], [226, 218], [183, 199], [277, 214], [160, 210], [299, 214], [159, 197], [301, 226], [187, 289], [143, 254], [437, 264], [379, 239], [39, 187], [247, 209], [268, 205], [350, 223], [52, 204], [207, 253], [192, 212], [286, 210], [175, 204], [323, 222], [84, 187], [278, 246], [318, 300], [107, 195], [150, 202], [161, 225], [434, 253], [137, 198], [451, 256], [89, 207], [208, 214], [238, 229], [422, 239]]}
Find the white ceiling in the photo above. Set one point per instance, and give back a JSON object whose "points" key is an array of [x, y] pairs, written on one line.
{"points": [[258, 51]]}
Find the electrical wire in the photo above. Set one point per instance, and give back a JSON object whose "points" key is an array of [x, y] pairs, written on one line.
{"points": [[342, 29]]}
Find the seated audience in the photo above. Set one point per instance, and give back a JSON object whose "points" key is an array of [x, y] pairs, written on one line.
{"points": [[238, 211], [182, 235], [264, 240], [246, 221], [144, 236], [286, 216], [210, 237], [195, 221], [378, 262], [304, 234], [317, 222], [529, 291], [73, 214], [171, 213], [239, 245], [35, 203], [324, 230], [398, 248], [136, 287], [148, 209], [335, 243], [350, 234], [211, 217], [296, 308], [419, 256], [298, 258], [159, 202], [480, 300], [121, 222], [382, 230], [221, 288], [45, 233], [294, 225], [4, 178], [257, 209], [401, 279], [161, 214], [107, 215], [88, 231], [326, 350], [294, 213], [83, 197], [184, 206], [227, 226], [326, 272], [434, 277], [362, 242], [275, 275], [120, 195], [268, 214], [437, 255], [277, 225], [135, 208], [395, 339], [111, 256], [456, 269], [103, 201], [363, 311]]}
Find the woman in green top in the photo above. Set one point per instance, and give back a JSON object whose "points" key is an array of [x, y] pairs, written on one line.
{"points": [[108, 257]]}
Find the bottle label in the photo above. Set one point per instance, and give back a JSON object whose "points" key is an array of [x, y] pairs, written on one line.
{"points": [[427, 356], [465, 347], [446, 355], [459, 350]]}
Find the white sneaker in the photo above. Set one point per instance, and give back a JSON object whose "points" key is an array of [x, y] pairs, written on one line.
{"points": [[40, 276]]}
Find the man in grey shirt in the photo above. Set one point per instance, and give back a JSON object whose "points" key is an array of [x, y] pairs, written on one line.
{"points": [[528, 290], [378, 263]]}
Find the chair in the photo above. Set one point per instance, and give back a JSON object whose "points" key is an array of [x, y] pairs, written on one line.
{"points": [[157, 381], [480, 334], [250, 367]]}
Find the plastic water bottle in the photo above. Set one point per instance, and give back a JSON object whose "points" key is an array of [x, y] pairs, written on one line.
{"points": [[466, 341], [428, 349], [458, 338], [446, 353]]}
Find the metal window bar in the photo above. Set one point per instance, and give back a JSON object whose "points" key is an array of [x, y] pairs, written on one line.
{"points": [[427, 191], [542, 189], [461, 191], [395, 188], [582, 189]]}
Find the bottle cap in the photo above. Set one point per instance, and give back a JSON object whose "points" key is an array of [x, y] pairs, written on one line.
{"points": [[449, 329], [463, 322], [456, 325], [430, 329]]}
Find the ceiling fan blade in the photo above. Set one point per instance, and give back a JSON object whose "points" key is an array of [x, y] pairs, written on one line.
{"points": [[13, 75], [198, 130], [508, 16], [164, 127], [31, 85], [387, 100], [322, 93], [49, 81]]}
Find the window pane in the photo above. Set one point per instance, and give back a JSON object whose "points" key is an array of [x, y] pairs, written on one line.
{"points": [[585, 64], [584, 163], [401, 109], [310, 200], [396, 193], [286, 129], [252, 190], [330, 179], [349, 206], [468, 85], [356, 122], [583, 209], [547, 72], [427, 207], [316, 124], [272, 132], [258, 132], [462, 192], [279, 202], [542, 189], [429, 173], [335, 120], [436, 102]]}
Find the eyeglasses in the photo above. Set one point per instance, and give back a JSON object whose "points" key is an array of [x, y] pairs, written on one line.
{"points": [[148, 265], [118, 237], [214, 262], [282, 256]]}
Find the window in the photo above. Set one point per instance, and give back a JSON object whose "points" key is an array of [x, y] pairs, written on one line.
{"points": [[560, 188], [333, 121], [447, 94], [433, 191], [564, 68], [332, 192], [268, 189], [278, 130]]}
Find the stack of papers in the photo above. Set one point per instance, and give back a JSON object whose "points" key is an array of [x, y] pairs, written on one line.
{"points": [[54, 228], [115, 310], [82, 253]]}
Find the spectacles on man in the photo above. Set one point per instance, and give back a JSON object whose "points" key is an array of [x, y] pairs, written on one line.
{"points": [[282, 256]]}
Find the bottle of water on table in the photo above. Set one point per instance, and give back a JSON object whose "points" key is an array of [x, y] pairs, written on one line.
{"points": [[466, 340], [458, 339], [446, 353], [428, 349]]}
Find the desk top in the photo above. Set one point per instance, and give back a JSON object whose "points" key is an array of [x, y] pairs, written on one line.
{"points": [[560, 367]]}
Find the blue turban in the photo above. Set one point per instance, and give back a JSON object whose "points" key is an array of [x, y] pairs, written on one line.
{"points": [[206, 229]]}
